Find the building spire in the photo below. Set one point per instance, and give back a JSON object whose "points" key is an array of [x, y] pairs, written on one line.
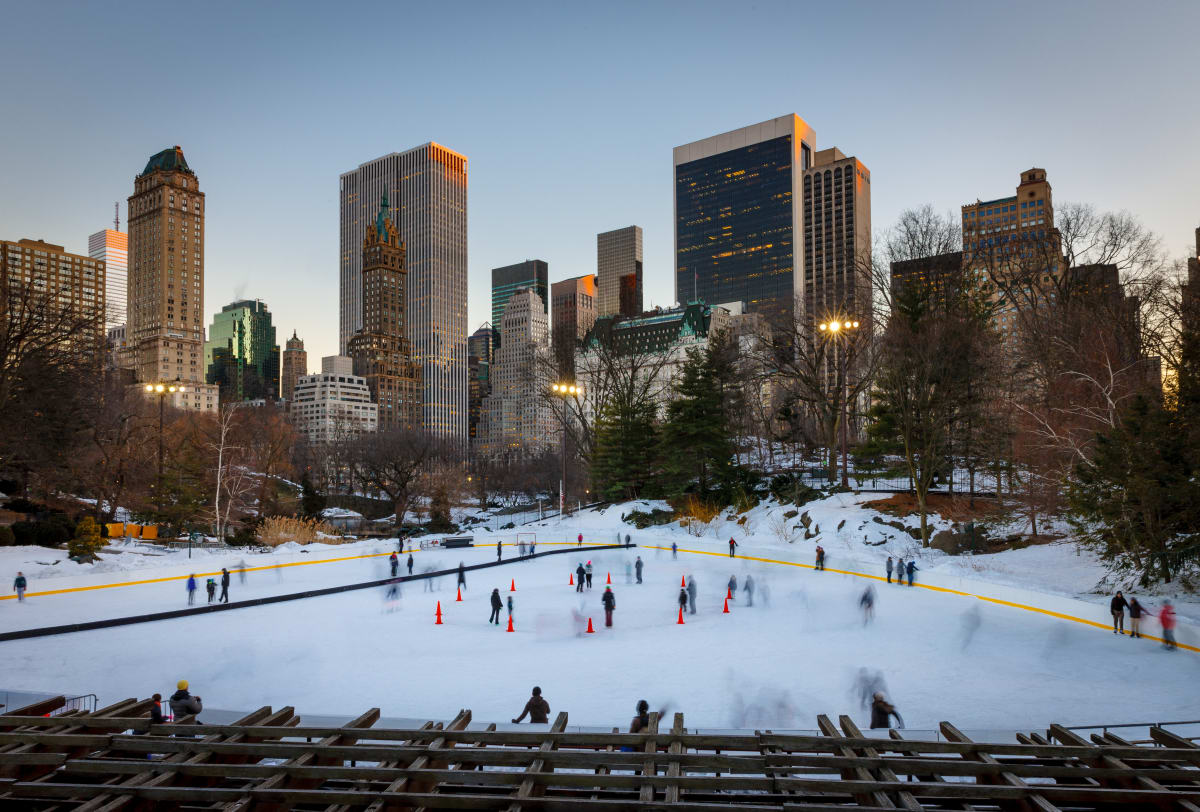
{"points": [[382, 216]]}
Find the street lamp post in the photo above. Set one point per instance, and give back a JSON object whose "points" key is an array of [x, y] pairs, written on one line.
{"points": [[835, 328], [564, 390], [162, 390]]}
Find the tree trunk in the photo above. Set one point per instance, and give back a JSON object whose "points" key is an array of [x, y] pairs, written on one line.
{"points": [[921, 510]]}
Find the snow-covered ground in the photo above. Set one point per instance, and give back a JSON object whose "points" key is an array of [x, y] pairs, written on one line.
{"points": [[796, 653]]}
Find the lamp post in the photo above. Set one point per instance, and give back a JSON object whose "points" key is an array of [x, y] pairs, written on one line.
{"points": [[564, 390], [162, 390], [836, 328]]}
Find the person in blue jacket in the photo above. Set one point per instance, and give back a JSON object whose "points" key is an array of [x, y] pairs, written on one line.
{"points": [[191, 589], [912, 567]]}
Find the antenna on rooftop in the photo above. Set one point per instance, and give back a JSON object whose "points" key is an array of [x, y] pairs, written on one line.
{"points": [[116, 215]]}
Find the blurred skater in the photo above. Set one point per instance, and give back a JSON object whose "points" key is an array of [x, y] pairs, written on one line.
{"points": [[428, 581], [882, 711], [683, 599], [609, 600], [394, 564], [462, 575], [589, 574], [191, 589], [732, 587], [497, 605], [674, 551], [691, 590], [867, 604], [510, 606], [19, 586], [732, 546], [638, 568], [210, 586], [241, 569], [911, 568], [1117, 607], [1136, 610], [820, 557], [971, 620], [536, 708], [889, 569], [410, 563], [641, 721], [900, 571], [580, 574], [748, 588], [628, 572], [579, 541], [224, 585], [497, 551], [1166, 617]]}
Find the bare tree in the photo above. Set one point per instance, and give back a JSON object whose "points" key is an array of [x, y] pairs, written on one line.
{"points": [[391, 463]]}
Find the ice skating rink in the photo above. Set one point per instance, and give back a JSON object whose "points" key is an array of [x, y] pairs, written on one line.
{"points": [[797, 652]]}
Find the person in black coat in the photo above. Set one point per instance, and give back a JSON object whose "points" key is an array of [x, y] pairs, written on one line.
{"points": [[1136, 610], [410, 563], [610, 603], [637, 568], [580, 574], [394, 564], [183, 703], [462, 575], [1117, 607], [683, 599], [497, 605], [910, 568], [224, 585], [882, 711]]}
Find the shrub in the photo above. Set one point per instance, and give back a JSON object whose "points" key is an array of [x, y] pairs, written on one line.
{"points": [[278, 530], [53, 530], [790, 488], [7, 538], [23, 505], [87, 541], [641, 519]]}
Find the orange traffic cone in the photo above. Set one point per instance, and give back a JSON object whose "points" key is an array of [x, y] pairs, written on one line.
{"points": [[609, 580], [513, 588], [680, 621], [682, 581], [459, 598], [570, 580], [510, 628], [590, 630], [438, 621], [725, 611], [728, 593]]}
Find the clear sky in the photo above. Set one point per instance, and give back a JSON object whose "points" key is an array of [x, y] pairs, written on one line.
{"points": [[568, 112]]}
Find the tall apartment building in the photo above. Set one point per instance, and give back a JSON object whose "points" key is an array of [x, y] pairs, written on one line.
{"points": [[166, 278], [241, 355], [619, 272], [739, 215], [572, 313], [837, 238], [428, 186], [33, 269], [516, 418], [532, 273], [112, 246], [293, 365], [479, 363], [333, 405], [381, 350]]}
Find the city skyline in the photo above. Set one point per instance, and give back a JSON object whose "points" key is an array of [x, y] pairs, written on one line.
{"points": [[912, 126]]}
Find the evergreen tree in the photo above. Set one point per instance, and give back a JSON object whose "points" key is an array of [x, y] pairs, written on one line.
{"points": [[312, 501], [696, 442], [87, 541], [624, 451]]}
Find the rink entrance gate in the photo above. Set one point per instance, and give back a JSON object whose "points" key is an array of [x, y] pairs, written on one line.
{"points": [[114, 758]]}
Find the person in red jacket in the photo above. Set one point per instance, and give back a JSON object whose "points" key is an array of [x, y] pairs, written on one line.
{"points": [[1166, 617]]}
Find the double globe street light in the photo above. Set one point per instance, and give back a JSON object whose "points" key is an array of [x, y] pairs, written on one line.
{"points": [[162, 389], [835, 328], [564, 390]]}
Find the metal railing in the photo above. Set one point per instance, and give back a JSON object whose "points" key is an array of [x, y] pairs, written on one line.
{"points": [[85, 702]]}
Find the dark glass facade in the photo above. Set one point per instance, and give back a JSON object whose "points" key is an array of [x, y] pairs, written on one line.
{"points": [[733, 227], [532, 273]]}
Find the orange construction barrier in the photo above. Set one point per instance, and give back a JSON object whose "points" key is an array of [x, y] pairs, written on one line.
{"points": [[150, 531]]}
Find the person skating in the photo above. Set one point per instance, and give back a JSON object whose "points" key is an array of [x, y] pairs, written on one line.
{"points": [[210, 586], [674, 551], [579, 541], [637, 566], [900, 571], [642, 720], [184, 704], [394, 564], [820, 557], [889, 569], [691, 589], [628, 572], [683, 599], [882, 711], [536, 708], [589, 574], [610, 603], [911, 567], [462, 575], [580, 574], [510, 606], [497, 605], [732, 546], [748, 588], [410, 563], [241, 571], [224, 585], [1117, 607], [1166, 617], [867, 604], [628, 543], [732, 587], [497, 551], [1136, 610], [19, 586], [191, 589]]}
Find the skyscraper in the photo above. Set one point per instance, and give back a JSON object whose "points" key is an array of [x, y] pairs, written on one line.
{"points": [[241, 356], [516, 418], [837, 238], [30, 269], [428, 186], [381, 350], [619, 272], [739, 215], [166, 278], [479, 364], [294, 365], [572, 313], [112, 246], [532, 273]]}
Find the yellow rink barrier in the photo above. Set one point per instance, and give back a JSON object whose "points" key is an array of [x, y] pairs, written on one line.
{"points": [[932, 588]]}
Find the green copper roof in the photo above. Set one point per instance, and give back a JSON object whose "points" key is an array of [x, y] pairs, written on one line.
{"points": [[379, 218], [169, 160]]}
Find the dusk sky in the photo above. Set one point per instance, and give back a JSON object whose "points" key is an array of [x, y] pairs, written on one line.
{"points": [[567, 113]]}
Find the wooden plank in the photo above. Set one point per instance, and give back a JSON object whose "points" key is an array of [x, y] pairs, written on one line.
{"points": [[37, 709], [671, 795], [940, 765], [1133, 779], [399, 785], [529, 788], [1033, 801], [646, 794], [905, 798], [879, 799]]}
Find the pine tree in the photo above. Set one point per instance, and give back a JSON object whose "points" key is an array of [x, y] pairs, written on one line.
{"points": [[696, 442], [624, 452], [87, 541], [312, 501]]}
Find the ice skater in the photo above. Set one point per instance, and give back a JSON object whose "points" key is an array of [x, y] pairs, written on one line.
{"points": [[589, 574], [867, 604], [510, 606], [732, 546], [191, 589], [497, 551], [731, 587], [241, 569], [1117, 607], [683, 599], [1136, 610], [19, 586], [580, 574], [910, 568], [820, 557], [462, 575], [638, 568], [748, 588], [536, 708], [394, 564], [628, 572], [889, 569], [211, 587], [410, 563], [579, 541], [609, 600], [900, 571], [691, 590], [674, 551], [1166, 617], [882, 711], [224, 585], [497, 605]]}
